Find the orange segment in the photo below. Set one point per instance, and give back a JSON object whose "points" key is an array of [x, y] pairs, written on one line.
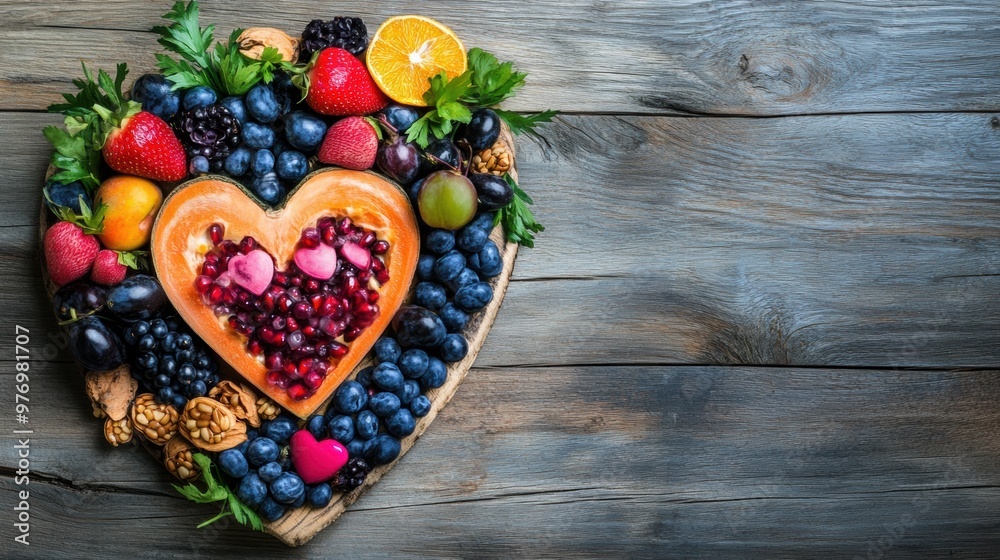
{"points": [[407, 50]]}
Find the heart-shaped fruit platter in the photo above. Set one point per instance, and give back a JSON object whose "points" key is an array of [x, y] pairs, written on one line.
{"points": [[276, 260]]}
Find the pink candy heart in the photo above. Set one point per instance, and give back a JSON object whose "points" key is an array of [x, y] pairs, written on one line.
{"points": [[316, 461], [320, 262], [252, 271]]}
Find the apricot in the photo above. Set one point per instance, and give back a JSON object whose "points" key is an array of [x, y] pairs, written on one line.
{"points": [[132, 206]]}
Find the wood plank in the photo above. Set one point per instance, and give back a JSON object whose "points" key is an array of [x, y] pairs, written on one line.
{"points": [[734, 57], [866, 240], [698, 462]]}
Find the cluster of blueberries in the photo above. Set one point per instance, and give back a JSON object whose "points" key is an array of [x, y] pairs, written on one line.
{"points": [[169, 361]]}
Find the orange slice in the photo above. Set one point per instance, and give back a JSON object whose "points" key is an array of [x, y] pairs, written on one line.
{"points": [[407, 50]]}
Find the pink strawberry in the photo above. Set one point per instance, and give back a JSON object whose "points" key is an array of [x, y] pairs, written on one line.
{"points": [[107, 271], [351, 142], [144, 145], [69, 252], [339, 84]]}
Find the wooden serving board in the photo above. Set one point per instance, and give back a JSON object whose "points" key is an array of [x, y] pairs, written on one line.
{"points": [[298, 526]]}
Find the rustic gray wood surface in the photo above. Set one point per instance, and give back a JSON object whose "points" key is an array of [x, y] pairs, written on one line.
{"points": [[764, 320]]}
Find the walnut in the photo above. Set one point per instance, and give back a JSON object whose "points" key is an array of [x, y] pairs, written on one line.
{"points": [[239, 398], [254, 40], [112, 391], [158, 422], [211, 425], [178, 457], [118, 432]]}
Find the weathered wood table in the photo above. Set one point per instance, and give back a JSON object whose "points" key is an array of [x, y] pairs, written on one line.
{"points": [[763, 321]]}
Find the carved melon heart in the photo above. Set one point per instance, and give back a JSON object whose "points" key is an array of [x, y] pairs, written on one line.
{"points": [[180, 242]]}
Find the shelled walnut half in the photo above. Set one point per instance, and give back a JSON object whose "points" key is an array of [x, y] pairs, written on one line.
{"points": [[211, 425], [157, 422], [239, 398], [111, 392]]}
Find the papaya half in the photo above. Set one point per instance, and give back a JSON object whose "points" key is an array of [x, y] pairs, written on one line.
{"points": [[180, 242]]}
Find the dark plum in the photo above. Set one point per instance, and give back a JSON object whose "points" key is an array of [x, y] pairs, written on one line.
{"points": [[80, 298], [442, 154], [494, 193], [449, 266], [472, 239], [430, 295], [382, 449], [454, 348], [303, 130], [418, 327], [400, 117], [453, 317], [488, 261], [400, 160], [94, 345], [138, 298], [425, 267], [483, 130], [474, 297]]}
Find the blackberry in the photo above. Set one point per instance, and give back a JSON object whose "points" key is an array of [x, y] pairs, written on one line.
{"points": [[169, 362], [347, 33], [351, 475], [212, 132]]}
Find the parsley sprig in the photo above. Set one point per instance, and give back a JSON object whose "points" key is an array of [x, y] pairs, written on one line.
{"points": [[516, 217], [220, 66], [217, 492], [443, 96], [75, 157]]}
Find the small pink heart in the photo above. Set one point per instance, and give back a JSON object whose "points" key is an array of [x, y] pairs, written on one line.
{"points": [[253, 271], [316, 461], [320, 262]]}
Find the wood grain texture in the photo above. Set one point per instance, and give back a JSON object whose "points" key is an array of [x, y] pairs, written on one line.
{"points": [[841, 240], [694, 462], [732, 57]]}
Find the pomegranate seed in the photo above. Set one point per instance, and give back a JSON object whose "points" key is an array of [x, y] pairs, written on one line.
{"points": [[367, 240], [222, 311], [352, 333], [210, 269], [328, 221], [328, 233], [305, 365], [295, 339], [378, 265], [278, 379], [215, 232], [295, 293], [316, 301], [309, 331], [298, 392], [302, 310], [364, 276], [322, 351], [285, 303], [351, 285], [382, 277], [247, 244], [278, 323], [295, 280], [229, 297], [279, 339], [291, 324], [266, 334], [257, 318], [254, 347], [203, 283], [363, 322], [329, 305], [380, 248], [215, 295], [337, 350], [312, 286], [345, 226], [310, 238], [290, 369], [372, 296], [274, 360], [304, 351], [313, 379], [281, 279], [229, 247]]}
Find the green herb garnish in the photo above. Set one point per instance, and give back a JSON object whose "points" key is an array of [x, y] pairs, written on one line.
{"points": [[90, 221], [440, 121], [516, 217], [520, 124], [216, 492], [492, 81], [136, 260], [75, 157]]}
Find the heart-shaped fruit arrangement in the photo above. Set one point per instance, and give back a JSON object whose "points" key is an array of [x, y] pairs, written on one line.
{"points": [[282, 325]]}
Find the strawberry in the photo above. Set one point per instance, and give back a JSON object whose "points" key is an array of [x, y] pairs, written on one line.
{"points": [[69, 252], [337, 83], [351, 142], [107, 271], [144, 145]]}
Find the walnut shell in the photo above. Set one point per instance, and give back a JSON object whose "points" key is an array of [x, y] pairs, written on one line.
{"points": [[211, 425], [157, 422], [118, 432], [178, 457], [112, 391], [239, 398], [254, 40]]}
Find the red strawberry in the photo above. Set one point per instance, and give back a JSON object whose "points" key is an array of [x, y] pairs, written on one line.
{"points": [[144, 145], [107, 271], [339, 84], [351, 142], [69, 252]]}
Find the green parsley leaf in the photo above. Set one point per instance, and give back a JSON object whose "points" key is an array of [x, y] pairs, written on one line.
{"points": [[439, 122], [136, 260], [74, 157], [492, 81], [216, 492], [518, 222], [520, 124], [90, 221]]}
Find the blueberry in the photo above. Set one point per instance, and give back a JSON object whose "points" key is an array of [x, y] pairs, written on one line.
{"points": [[146, 360], [268, 188], [178, 401], [448, 266], [292, 166], [140, 328], [161, 381], [488, 261], [155, 93], [257, 136], [431, 295], [168, 367], [262, 105], [238, 162], [316, 426], [147, 342], [184, 342], [165, 395], [384, 404], [440, 241], [366, 425], [68, 195], [454, 319], [287, 488], [364, 376], [420, 406], [401, 423], [409, 391], [303, 130], [319, 495], [233, 463], [413, 363], [381, 450], [351, 397], [299, 502], [464, 278], [425, 266], [262, 450], [415, 192], [262, 162], [454, 348], [251, 490], [280, 147], [184, 356], [341, 428], [435, 376], [387, 350], [472, 239], [169, 343], [474, 297], [279, 430], [399, 117], [356, 447], [270, 509], [269, 471], [236, 107], [388, 377], [199, 96], [196, 389], [158, 328], [483, 221], [199, 165]]}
